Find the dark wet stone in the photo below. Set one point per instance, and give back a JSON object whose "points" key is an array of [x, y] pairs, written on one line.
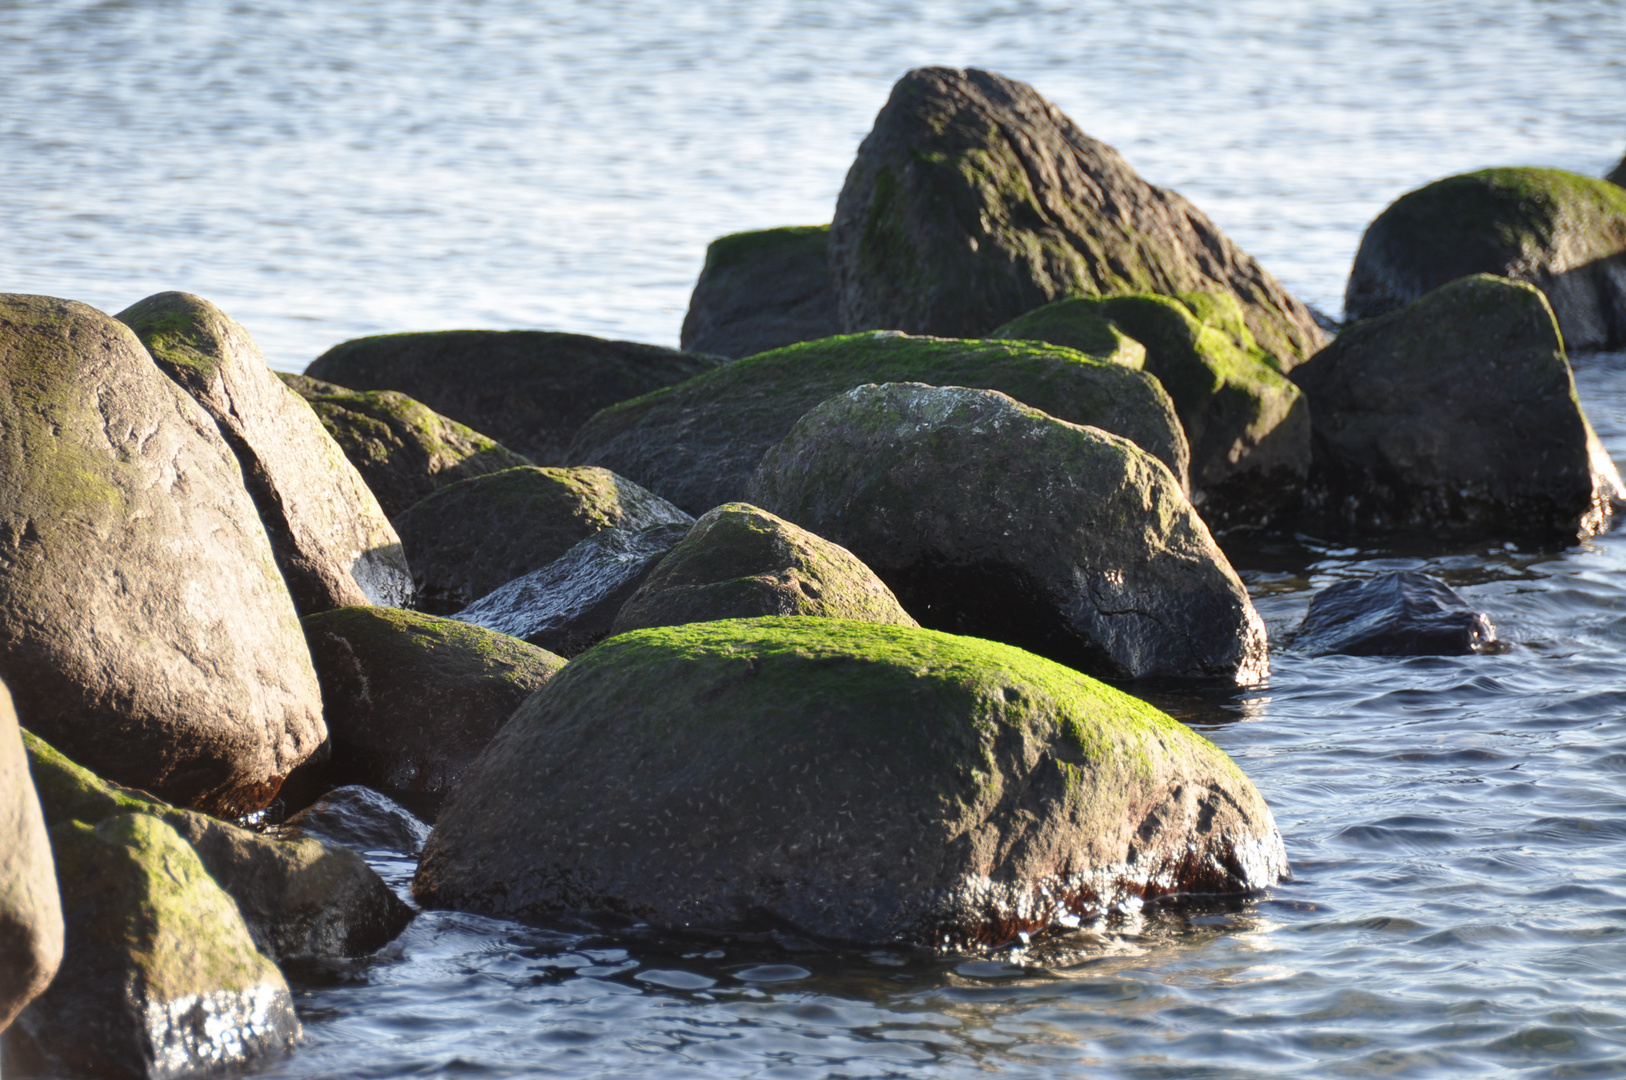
{"points": [[761, 290], [30, 910], [1400, 614], [1617, 176], [360, 819]]}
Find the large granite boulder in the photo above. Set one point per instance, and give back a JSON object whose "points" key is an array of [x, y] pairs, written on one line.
{"points": [[697, 444], [1457, 413], [147, 630], [30, 908], [1398, 614], [1563, 233], [854, 780], [404, 450], [761, 290], [528, 389], [989, 518], [974, 200], [739, 562], [411, 698], [1248, 425], [332, 541]]}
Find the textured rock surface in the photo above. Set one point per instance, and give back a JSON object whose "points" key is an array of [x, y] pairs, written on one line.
{"points": [[974, 200], [1399, 614], [858, 781], [698, 443], [1456, 413], [569, 605], [990, 518], [146, 631], [361, 819], [761, 290], [470, 538], [1563, 233], [528, 389], [30, 908], [1248, 426], [332, 541], [411, 698], [404, 450], [739, 562]]}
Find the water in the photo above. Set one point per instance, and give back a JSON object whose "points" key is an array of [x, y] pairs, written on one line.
{"points": [[1457, 827]]}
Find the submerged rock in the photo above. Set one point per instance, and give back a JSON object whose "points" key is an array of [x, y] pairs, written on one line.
{"points": [[147, 630], [30, 908], [1400, 614], [698, 443], [856, 781], [528, 389], [411, 699], [990, 518], [360, 819], [1457, 413], [761, 290], [1563, 233]]}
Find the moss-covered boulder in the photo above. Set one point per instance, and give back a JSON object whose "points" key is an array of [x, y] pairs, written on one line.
{"points": [[697, 443], [990, 518], [1455, 414], [411, 698], [30, 910], [300, 899], [739, 562], [1248, 425], [160, 978], [146, 629], [472, 537], [569, 605], [1563, 233], [974, 200], [761, 290], [405, 450], [528, 389], [857, 781]]}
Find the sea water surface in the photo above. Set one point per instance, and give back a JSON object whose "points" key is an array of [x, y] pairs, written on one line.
{"points": [[1457, 826]]}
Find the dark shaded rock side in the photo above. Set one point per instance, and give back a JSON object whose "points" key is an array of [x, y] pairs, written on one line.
{"points": [[762, 290], [1617, 176], [360, 819], [1399, 614], [30, 906]]}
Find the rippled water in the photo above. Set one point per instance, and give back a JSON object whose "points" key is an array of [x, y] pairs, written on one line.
{"points": [[1457, 827]]}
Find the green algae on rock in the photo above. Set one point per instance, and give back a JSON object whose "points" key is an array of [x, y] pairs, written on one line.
{"points": [[30, 906], [402, 448], [858, 781], [762, 290], [697, 443], [1561, 232]]}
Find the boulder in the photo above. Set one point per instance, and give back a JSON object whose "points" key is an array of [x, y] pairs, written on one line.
{"points": [[30, 908], [988, 517], [697, 444], [857, 781], [476, 535], [1249, 426], [147, 630], [739, 562], [412, 698], [361, 819], [1457, 413], [332, 541], [761, 290], [404, 450], [569, 605], [299, 899], [1618, 175], [1563, 233], [974, 200], [160, 979], [528, 389], [1398, 614]]}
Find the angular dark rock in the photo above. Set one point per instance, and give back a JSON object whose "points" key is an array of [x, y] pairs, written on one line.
{"points": [[1617, 176], [762, 290], [30, 907], [1399, 614], [360, 819]]}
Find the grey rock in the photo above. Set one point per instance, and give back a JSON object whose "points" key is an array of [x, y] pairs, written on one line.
{"points": [[360, 819], [761, 290], [1398, 614], [30, 908]]}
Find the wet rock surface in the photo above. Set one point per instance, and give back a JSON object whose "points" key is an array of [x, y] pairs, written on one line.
{"points": [[360, 819], [30, 907], [1399, 614], [762, 290], [988, 517], [856, 781]]}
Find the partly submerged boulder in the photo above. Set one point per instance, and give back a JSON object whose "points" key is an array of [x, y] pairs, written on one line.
{"points": [[739, 562], [1563, 233], [975, 200], [411, 699], [857, 781], [405, 450], [761, 290], [476, 535], [30, 908], [1397, 614], [991, 518], [698, 443], [1457, 413], [361, 819], [528, 389], [147, 630]]}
